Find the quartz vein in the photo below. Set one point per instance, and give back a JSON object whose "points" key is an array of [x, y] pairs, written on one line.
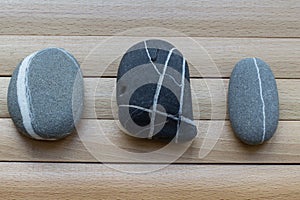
{"points": [[263, 101], [183, 118], [157, 92], [181, 99]]}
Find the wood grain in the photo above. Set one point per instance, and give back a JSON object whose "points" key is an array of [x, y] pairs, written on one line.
{"points": [[108, 139], [208, 101], [97, 181], [219, 18], [101, 55], [213, 36]]}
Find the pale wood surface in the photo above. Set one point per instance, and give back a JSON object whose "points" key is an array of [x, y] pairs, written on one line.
{"points": [[209, 34], [281, 54], [195, 18], [81, 181], [282, 148]]}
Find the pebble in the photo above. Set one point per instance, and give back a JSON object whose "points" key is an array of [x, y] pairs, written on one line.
{"points": [[153, 93], [253, 103], [45, 94]]}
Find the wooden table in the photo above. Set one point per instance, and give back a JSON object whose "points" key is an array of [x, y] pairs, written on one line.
{"points": [[97, 33]]}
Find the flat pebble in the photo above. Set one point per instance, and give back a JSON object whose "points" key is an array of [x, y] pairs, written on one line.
{"points": [[253, 102], [153, 93], [45, 94]]}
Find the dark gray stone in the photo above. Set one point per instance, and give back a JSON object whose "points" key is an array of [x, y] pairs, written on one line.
{"points": [[45, 94], [253, 103], [153, 93]]}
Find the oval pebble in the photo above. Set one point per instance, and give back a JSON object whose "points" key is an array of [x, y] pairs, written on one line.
{"points": [[253, 103], [45, 94], [153, 93]]}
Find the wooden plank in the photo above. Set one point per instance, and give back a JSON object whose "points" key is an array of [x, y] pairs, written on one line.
{"points": [[209, 98], [91, 181], [219, 18], [110, 145], [208, 101], [89, 165], [101, 55]]}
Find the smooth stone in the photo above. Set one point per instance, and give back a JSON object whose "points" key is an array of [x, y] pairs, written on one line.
{"points": [[253, 103], [45, 94], [153, 93]]}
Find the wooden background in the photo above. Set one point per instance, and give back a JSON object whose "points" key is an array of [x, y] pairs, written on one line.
{"points": [[229, 31]]}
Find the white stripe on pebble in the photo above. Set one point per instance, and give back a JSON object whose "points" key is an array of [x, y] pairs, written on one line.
{"points": [[263, 102], [23, 96], [181, 99], [23, 93], [183, 118], [148, 54], [157, 92]]}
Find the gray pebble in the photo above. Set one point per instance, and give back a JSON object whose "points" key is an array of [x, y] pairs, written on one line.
{"points": [[253, 103], [45, 94]]}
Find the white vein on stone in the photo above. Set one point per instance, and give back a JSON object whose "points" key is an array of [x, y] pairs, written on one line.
{"points": [[181, 99], [263, 101], [183, 118], [23, 95], [148, 54], [157, 92], [173, 79]]}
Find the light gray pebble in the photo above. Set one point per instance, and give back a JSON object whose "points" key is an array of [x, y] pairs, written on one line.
{"points": [[253, 103], [45, 94]]}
